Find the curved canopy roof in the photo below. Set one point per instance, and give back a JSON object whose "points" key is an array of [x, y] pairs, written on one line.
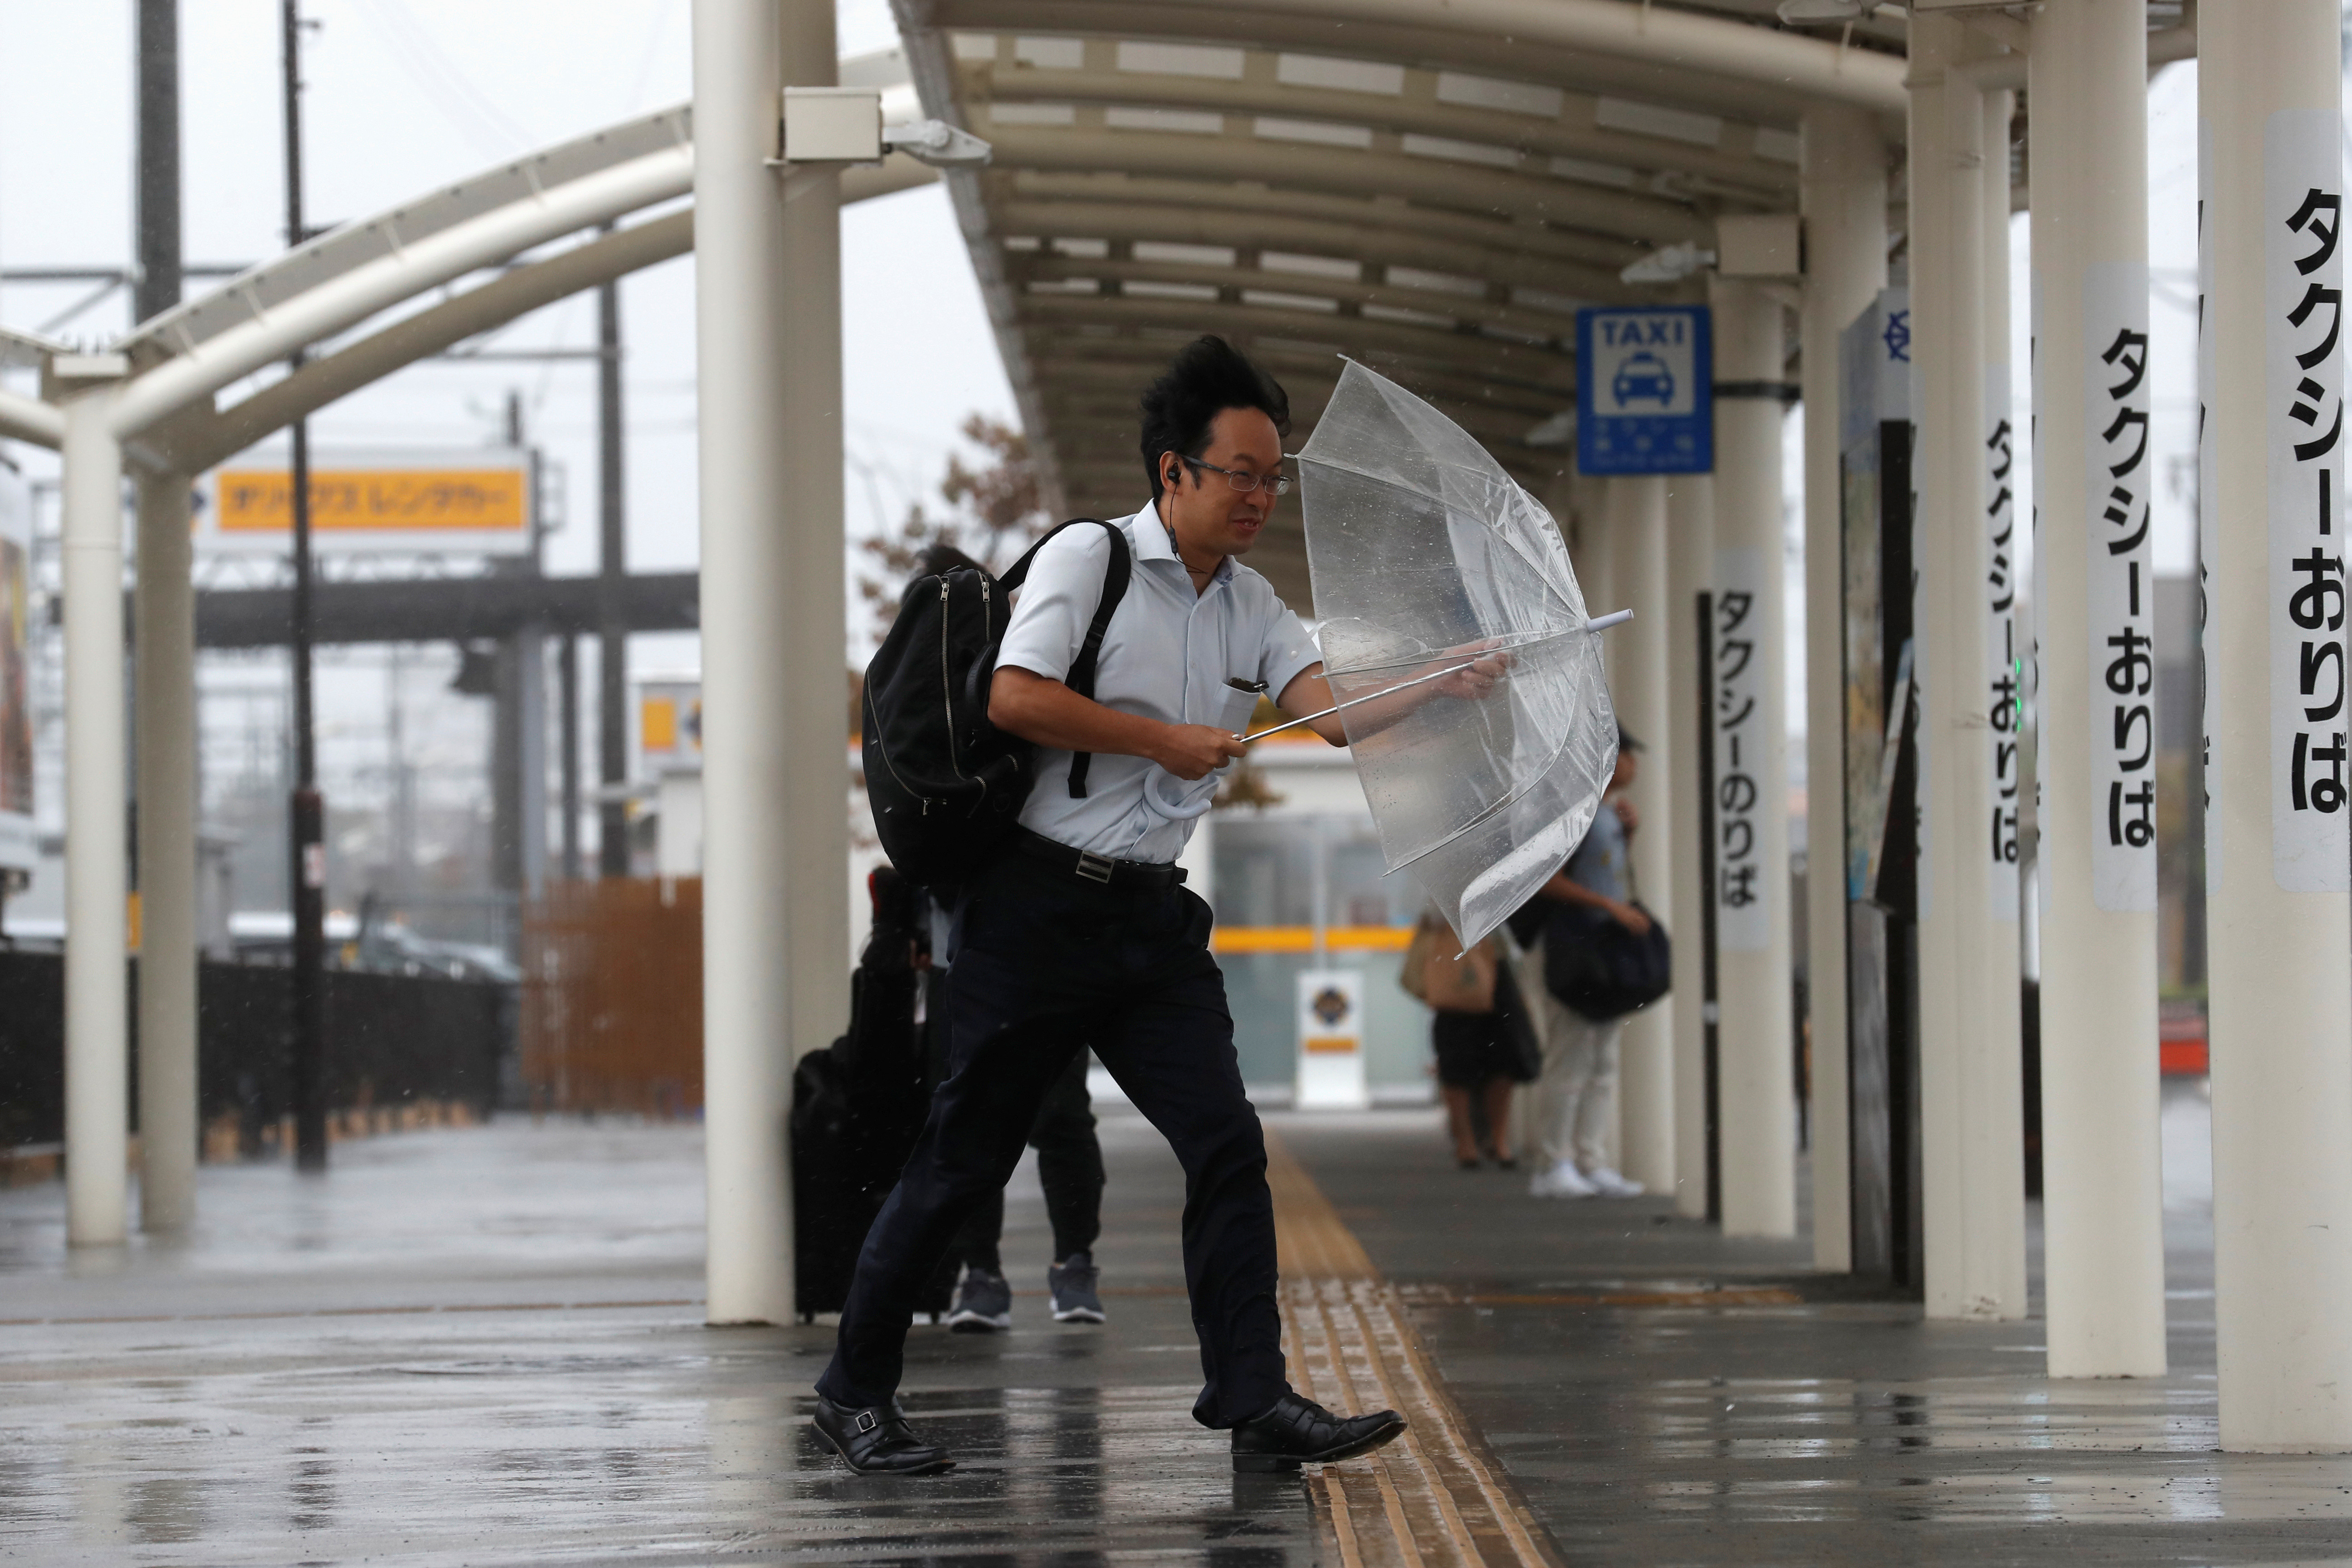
{"points": [[1432, 190]]}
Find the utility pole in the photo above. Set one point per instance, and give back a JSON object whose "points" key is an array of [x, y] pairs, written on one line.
{"points": [[158, 286], [568, 677], [612, 571], [307, 816], [155, 191]]}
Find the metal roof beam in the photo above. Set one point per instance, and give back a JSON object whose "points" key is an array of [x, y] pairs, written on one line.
{"points": [[1607, 45], [1415, 108], [1139, 359], [203, 437], [1116, 377], [1390, 215], [446, 609], [531, 180], [321, 309], [1539, 364], [29, 419], [1447, 309], [1377, 246], [1077, 416], [1436, 183]]}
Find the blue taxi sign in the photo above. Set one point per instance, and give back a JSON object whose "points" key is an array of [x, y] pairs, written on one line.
{"points": [[1644, 390]]}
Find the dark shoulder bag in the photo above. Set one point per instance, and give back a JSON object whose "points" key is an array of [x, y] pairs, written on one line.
{"points": [[1599, 969]]}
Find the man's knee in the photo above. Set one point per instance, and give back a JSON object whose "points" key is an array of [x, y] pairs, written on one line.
{"points": [[1233, 1152]]}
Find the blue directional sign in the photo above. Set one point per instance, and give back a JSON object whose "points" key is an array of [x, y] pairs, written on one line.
{"points": [[1644, 390]]}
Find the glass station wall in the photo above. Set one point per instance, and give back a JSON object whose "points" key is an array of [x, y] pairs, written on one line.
{"points": [[1295, 891]]}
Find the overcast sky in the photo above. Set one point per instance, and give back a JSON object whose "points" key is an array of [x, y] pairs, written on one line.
{"points": [[405, 95]]}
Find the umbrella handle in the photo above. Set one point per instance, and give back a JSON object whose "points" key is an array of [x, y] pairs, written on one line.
{"points": [[1192, 799], [1593, 624]]}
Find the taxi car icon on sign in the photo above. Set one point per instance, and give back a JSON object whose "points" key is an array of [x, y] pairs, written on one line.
{"points": [[1645, 375]]}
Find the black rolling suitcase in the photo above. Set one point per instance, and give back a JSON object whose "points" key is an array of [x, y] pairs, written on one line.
{"points": [[857, 1108]]}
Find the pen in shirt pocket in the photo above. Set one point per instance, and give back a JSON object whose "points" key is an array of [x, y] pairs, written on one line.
{"points": [[1240, 701]]}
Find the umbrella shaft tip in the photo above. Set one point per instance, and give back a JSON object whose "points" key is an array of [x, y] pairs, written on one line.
{"points": [[1603, 623]]}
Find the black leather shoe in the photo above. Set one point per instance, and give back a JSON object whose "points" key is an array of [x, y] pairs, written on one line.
{"points": [[1300, 1432], [877, 1441]]}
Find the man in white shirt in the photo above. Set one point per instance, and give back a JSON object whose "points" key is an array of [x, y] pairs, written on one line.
{"points": [[1082, 933]]}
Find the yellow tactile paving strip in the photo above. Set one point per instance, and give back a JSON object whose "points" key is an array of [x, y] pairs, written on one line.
{"points": [[1432, 1499]]}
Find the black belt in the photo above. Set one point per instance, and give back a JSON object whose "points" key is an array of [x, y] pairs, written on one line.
{"points": [[1084, 864]]}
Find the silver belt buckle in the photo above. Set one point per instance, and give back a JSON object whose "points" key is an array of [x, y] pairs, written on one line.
{"points": [[1095, 868]]}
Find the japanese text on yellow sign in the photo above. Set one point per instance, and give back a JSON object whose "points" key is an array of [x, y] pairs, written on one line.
{"points": [[378, 499]]}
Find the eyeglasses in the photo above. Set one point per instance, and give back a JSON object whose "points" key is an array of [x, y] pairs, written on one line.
{"points": [[1278, 483]]}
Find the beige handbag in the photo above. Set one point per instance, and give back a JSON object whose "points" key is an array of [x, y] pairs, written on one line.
{"points": [[1450, 984]]}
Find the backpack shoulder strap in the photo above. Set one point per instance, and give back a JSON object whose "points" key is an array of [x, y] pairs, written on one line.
{"points": [[1116, 573]]}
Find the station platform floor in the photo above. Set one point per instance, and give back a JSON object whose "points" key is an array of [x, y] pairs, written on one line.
{"points": [[485, 1346]]}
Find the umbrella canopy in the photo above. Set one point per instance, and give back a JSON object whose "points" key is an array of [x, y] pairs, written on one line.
{"points": [[1423, 550]]}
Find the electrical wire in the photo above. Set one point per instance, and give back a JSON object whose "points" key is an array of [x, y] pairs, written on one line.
{"points": [[471, 112]]}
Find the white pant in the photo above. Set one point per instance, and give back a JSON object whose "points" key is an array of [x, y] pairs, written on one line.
{"points": [[1576, 1096]]}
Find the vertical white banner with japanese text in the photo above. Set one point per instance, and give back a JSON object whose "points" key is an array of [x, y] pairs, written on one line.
{"points": [[1743, 883], [2041, 637], [2004, 667], [2120, 587], [2303, 423]]}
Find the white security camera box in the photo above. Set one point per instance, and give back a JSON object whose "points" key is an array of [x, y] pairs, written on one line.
{"points": [[1759, 245], [832, 124]]}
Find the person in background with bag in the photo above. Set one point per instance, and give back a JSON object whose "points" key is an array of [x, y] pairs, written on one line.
{"points": [[1576, 1095], [1479, 1031], [1069, 1154]]}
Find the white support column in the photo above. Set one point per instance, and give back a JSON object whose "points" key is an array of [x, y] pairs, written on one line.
{"points": [[2277, 839], [97, 1020], [768, 332], [1842, 187], [1755, 1067], [1690, 559], [1638, 655], [165, 716], [817, 788], [1971, 1135], [2102, 1177]]}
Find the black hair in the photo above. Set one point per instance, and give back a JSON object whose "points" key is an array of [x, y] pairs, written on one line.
{"points": [[1207, 376], [938, 560]]}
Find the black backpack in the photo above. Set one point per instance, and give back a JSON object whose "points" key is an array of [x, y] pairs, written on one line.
{"points": [[947, 786]]}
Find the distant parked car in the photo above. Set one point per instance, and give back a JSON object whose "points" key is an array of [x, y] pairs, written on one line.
{"points": [[391, 948], [1644, 376]]}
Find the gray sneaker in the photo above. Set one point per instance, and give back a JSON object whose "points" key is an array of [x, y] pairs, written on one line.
{"points": [[1073, 1285], [984, 1304]]}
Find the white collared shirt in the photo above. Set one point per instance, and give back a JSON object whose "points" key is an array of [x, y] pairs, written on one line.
{"points": [[1167, 654]]}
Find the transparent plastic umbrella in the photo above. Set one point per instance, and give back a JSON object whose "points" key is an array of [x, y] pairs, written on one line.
{"points": [[1425, 553]]}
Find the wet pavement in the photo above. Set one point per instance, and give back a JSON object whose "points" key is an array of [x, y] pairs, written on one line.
{"points": [[485, 1347], [1791, 1422]]}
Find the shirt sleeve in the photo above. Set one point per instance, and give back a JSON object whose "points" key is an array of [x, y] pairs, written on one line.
{"points": [[1056, 603], [1284, 650]]}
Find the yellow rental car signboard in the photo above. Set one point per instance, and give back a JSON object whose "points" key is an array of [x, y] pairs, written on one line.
{"points": [[477, 502]]}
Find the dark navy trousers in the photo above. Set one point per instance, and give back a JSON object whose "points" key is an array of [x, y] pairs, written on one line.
{"points": [[1048, 962]]}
